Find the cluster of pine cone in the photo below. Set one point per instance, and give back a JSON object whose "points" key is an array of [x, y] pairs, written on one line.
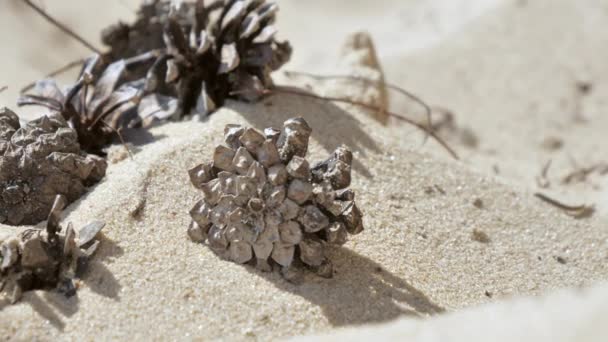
{"points": [[263, 203], [177, 58]]}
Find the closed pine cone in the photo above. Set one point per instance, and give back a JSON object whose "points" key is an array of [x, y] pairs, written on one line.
{"points": [[39, 161], [264, 204]]}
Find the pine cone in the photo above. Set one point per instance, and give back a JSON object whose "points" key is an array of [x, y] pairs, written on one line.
{"points": [[39, 260], [233, 57], [211, 52], [96, 106], [38, 161], [263, 202]]}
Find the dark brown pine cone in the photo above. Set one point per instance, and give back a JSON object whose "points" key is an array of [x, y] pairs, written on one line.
{"points": [[211, 51], [233, 57], [264, 204], [39, 161]]}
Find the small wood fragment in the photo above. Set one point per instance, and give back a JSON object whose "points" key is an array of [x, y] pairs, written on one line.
{"points": [[480, 236]]}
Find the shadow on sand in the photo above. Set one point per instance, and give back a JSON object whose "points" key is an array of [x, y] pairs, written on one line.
{"points": [[54, 307], [361, 291], [332, 126]]}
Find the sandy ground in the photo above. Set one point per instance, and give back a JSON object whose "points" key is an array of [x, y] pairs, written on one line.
{"points": [[508, 71], [565, 315]]}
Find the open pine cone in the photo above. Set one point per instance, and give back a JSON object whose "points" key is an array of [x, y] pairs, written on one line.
{"points": [[263, 203], [39, 259], [90, 103], [37, 162], [209, 52]]}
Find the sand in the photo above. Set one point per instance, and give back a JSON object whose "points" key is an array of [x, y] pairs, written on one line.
{"points": [[508, 72], [565, 315]]}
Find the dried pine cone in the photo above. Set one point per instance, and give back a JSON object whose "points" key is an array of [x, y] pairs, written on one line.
{"points": [[95, 106], [213, 56], [39, 259], [37, 162], [232, 57], [263, 202]]}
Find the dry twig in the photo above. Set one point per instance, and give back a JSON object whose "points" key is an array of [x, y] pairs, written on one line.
{"points": [[430, 132], [576, 211], [415, 98], [581, 174]]}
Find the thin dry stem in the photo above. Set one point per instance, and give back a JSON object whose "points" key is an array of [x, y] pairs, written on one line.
{"points": [[410, 95], [121, 138], [581, 174], [280, 89], [61, 26], [577, 211], [3, 88]]}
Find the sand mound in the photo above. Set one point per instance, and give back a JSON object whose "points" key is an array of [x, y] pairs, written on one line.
{"points": [[417, 256]]}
